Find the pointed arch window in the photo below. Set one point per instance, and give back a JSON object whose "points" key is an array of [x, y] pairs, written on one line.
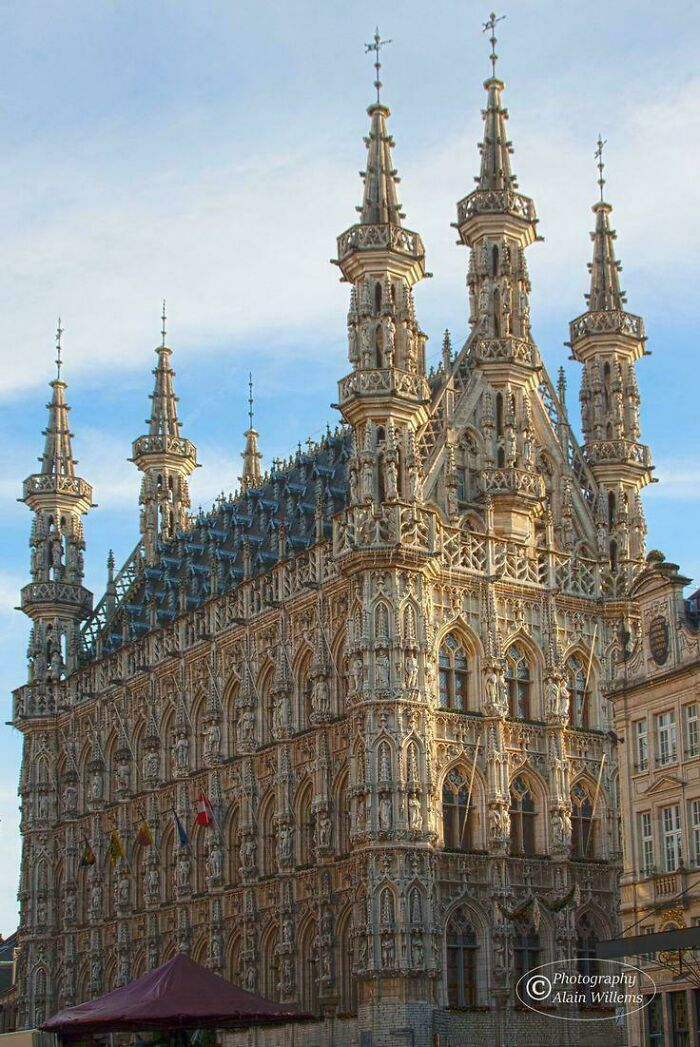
{"points": [[306, 825], [462, 952], [527, 951], [519, 681], [578, 698], [457, 812], [348, 983], [586, 953], [268, 838], [582, 823], [523, 814], [454, 674]]}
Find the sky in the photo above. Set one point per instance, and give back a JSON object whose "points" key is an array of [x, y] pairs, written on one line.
{"points": [[208, 153]]}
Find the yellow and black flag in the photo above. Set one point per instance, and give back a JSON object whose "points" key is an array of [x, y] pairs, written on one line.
{"points": [[88, 857], [116, 847]]}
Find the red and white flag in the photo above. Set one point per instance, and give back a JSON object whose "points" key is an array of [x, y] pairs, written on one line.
{"points": [[205, 811]]}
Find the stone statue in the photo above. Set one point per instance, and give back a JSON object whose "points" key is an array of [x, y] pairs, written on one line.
{"points": [[358, 672], [216, 862], [123, 776], [182, 872], [151, 764], [246, 726], [325, 829], [321, 699], [382, 670], [153, 882], [385, 812], [411, 666], [70, 798], [417, 950], [415, 813], [181, 752], [286, 837], [388, 950], [212, 740], [96, 786]]}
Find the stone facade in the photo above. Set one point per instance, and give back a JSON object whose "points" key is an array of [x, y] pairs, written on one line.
{"points": [[383, 662], [656, 703]]}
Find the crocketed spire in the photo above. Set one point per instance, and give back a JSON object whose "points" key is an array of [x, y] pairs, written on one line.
{"points": [[380, 204], [251, 456], [605, 290], [57, 459], [495, 149], [163, 420]]}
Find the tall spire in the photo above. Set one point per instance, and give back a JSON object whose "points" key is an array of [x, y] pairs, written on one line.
{"points": [[57, 459], [165, 458], [380, 204], [56, 599], [163, 420], [251, 455], [608, 341]]}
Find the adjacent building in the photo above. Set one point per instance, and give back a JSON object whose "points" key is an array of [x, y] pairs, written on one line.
{"points": [[656, 701], [382, 662]]}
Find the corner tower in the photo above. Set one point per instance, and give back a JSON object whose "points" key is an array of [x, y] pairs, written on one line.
{"points": [[56, 599], [608, 341], [165, 458], [384, 398], [497, 223]]}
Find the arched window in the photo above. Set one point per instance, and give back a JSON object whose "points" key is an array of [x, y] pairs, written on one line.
{"points": [[613, 556], [267, 708], [305, 826], [612, 509], [527, 951], [586, 954], [308, 968], [462, 950], [582, 824], [454, 674], [346, 959], [234, 847], [578, 699], [270, 966], [267, 840], [519, 682], [304, 694], [501, 455], [522, 817], [457, 812], [342, 816]]}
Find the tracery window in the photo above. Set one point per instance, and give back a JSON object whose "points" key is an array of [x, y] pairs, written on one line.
{"points": [[462, 949], [582, 824], [586, 954], [457, 811], [578, 697], [519, 681], [527, 950], [523, 813], [454, 674]]}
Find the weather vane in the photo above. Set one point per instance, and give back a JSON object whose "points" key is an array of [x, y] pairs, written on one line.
{"points": [[493, 21], [163, 319], [59, 332], [376, 46], [250, 398], [601, 166]]}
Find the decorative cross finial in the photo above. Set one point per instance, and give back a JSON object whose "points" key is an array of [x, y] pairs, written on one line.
{"points": [[376, 46], [59, 332], [601, 166], [163, 319], [250, 398], [493, 21]]}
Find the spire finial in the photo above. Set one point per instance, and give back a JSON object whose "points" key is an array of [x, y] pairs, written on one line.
{"points": [[493, 21], [250, 398], [376, 46], [600, 165], [59, 333], [163, 319]]}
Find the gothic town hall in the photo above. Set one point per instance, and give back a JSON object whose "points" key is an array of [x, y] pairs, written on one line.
{"points": [[382, 664]]}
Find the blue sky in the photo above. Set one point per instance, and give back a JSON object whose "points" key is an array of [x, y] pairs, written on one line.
{"points": [[209, 153]]}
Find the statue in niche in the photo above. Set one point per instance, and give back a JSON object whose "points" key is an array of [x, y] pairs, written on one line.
{"points": [[385, 812]]}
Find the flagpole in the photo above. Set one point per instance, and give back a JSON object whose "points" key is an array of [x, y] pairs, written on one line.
{"points": [[469, 794], [588, 670], [595, 803]]}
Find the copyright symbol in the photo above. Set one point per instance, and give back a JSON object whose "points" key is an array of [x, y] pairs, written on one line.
{"points": [[538, 987]]}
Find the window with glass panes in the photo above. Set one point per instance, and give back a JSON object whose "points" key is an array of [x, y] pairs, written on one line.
{"points": [[692, 734], [667, 749], [582, 842], [522, 817], [457, 819], [519, 682], [586, 955], [695, 830], [454, 674], [576, 680], [671, 829], [526, 952], [641, 745], [646, 838], [462, 950], [655, 1021]]}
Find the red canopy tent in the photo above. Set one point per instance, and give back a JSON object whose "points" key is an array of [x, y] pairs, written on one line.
{"points": [[179, 995]]}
